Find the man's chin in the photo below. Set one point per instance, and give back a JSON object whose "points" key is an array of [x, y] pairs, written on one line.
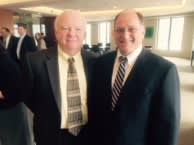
{"points": [[73, 46]]}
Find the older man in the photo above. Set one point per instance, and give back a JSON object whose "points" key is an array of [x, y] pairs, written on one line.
{"points": [[56, 83]]}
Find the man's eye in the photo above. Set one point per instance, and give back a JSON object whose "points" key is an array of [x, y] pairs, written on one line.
{"points": [[120, 30], [78, 29], [64, 28], [132, 29]]}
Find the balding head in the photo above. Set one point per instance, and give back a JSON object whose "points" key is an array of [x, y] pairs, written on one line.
{"points": [[69, 15], [70, 31], [131, 11]]}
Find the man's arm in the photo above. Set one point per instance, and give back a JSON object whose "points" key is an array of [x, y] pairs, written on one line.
{"points": [[10, 78], [165, 114]]}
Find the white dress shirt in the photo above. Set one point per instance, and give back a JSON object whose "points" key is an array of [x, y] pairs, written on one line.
{"points": [[19, 45], [7, 41], [131, 59]]}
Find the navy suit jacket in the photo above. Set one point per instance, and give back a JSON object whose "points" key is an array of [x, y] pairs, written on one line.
{"points": [[148, 109]]}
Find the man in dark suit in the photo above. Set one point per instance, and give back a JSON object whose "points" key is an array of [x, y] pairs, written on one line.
{"points": [[10, 42], [136, 97], [14, 127], [47, 84], [25, 44]]}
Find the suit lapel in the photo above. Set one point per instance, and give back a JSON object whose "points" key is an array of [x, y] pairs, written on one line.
{"points": [[53, 73], [135, 76], [109, 69], [85, 63]]}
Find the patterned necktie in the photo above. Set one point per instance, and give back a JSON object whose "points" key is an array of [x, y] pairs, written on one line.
{"points": [[118, 81], [73, 100]]}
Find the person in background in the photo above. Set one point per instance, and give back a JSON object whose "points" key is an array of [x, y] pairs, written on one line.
{"points": [[136, 94], [14, 127], [10, 42], [40, 41], [57, 84], [1, 37], [26, 43]]}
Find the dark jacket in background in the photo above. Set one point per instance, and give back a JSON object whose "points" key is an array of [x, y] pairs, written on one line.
{"points": [[28, 45], [12, 45]]}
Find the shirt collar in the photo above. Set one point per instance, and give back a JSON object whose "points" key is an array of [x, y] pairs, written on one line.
{"points": [[8, 37], [23, 35], [65, 56], [131, 57]]}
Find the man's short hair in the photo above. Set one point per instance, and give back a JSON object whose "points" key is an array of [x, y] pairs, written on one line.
{"points": [[139, 15], [22, 25]]}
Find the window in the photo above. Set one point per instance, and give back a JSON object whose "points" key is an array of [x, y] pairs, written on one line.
{"points": [[104, 33], [43, 29], [38, 28], [35, 29], [15, 30], [88, 34], [170, 33]]}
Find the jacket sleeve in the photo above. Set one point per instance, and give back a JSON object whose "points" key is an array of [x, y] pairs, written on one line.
{"points": [[10, 77], [165, 114]]}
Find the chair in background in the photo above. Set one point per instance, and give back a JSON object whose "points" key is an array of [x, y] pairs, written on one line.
{"points": [[107, 48], [97, 50], [86, 47], [99, 45]]}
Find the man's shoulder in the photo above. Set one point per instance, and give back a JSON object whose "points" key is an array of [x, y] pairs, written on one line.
{"points": [[38, 55], [156, 61], [88, 56], [108, 56]]}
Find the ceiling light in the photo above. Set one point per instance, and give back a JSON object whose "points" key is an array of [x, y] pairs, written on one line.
{"points": [[7, 2], [44, 10]]}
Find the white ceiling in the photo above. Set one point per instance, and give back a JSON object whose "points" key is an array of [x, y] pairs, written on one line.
{"points": [[99, 9]]}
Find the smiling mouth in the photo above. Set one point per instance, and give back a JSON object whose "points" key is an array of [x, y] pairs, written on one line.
{"points": [[123, 42]]}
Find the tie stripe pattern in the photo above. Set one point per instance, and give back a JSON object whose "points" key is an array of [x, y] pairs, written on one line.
{"points": [[74, 121], [118, 81]]}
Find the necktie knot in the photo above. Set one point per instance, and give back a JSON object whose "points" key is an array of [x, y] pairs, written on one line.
{"points": [[71, 60], [123, 59]]}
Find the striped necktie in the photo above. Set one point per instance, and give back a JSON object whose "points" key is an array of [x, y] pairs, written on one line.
{"points": [[73, 100], [118, 81]]}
